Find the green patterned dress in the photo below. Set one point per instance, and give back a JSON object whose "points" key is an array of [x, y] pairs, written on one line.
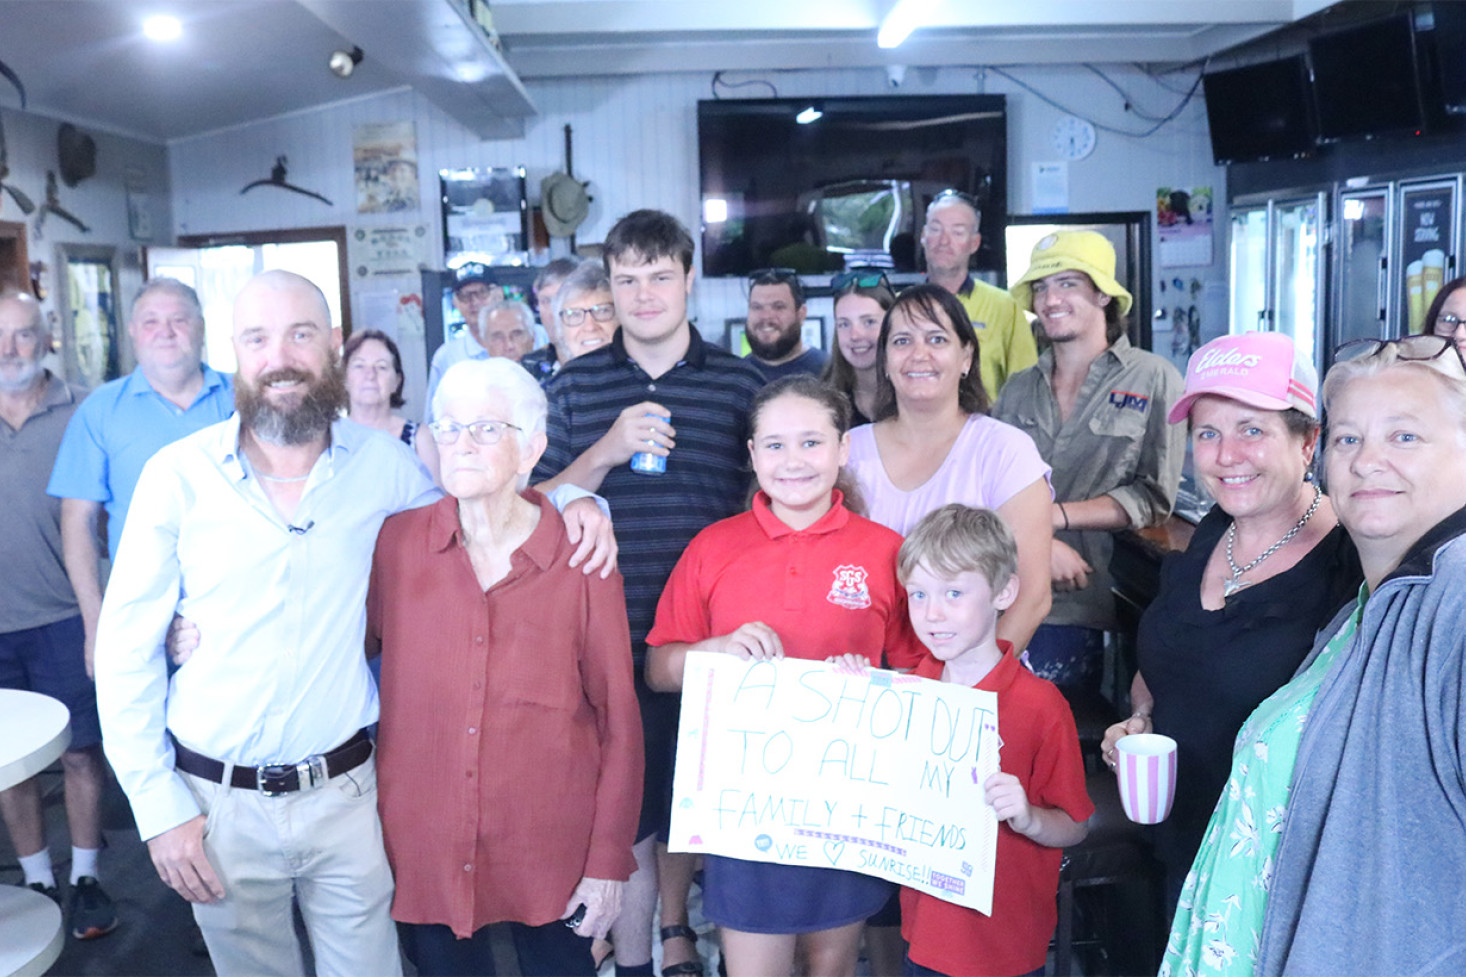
{"points": [[1219, 917]]}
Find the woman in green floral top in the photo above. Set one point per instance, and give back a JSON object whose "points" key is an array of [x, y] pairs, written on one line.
{"points": [[1303, 867]]}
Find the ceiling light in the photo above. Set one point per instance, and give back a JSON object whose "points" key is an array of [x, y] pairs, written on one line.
{"points": [[905, 17], [715, 210], [343, 63], [162, 27], [809, 115]]}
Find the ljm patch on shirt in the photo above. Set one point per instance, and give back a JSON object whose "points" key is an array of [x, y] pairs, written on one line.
{"points": [[1125, 400], [849, 589]]}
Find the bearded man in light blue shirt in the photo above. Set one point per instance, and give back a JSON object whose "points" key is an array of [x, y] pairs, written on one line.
{"points": [[249, 771]]}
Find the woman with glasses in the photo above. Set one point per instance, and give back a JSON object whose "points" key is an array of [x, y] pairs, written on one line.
{"points": [[1337, 846], [510, 758], [1236, 613], [580, 318], [933, 443], [1447, 313], [861, 301]]}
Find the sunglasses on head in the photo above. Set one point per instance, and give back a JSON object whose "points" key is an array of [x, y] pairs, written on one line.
{"points": [[860, 278], [771, 276], [1407, 348]]}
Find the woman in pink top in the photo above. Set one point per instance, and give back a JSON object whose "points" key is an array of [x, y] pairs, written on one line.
{"points": [[932, 443]]}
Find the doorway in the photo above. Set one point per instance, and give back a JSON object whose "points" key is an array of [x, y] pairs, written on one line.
{"points": [[217, 266]]}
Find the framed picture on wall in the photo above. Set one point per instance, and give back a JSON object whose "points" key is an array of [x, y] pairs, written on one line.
{"points": [[812, 333]]}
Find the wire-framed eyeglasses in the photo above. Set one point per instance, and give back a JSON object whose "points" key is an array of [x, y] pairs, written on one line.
{"points": [[604, 312], [486, 433]]}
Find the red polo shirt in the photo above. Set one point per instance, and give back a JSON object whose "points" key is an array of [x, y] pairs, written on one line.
{"points": [[827, 590], [510, 755], [1040, 748]]}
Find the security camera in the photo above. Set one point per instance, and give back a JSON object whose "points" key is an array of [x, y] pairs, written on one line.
{"points": [[895, 74]]}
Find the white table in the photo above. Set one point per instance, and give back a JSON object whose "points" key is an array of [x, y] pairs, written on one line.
{"points": [[34, 731]]}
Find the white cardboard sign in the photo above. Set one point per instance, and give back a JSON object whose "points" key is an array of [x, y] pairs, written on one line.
{"points": [[802, 763]]}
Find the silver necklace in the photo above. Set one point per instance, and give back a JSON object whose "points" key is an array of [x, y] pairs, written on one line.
{"points": [[283, 481], [1230, 587]]}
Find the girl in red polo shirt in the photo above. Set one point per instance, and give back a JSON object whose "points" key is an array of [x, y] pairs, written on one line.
{"points": [[802, 576]]}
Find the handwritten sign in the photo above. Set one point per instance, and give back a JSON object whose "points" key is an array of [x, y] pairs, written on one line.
{"points": [[799, 763]]}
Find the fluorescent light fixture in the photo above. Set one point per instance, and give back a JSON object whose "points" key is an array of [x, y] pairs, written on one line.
{"points": [[714, 210], [162, 27], [809, 115], [905, 17]]}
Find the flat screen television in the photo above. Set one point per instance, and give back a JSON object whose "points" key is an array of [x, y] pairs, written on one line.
{"points": [[1366, 80], [849, 188], [1261, 111]]}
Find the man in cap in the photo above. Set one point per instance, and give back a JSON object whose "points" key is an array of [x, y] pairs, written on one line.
{"points": [[949, 239], [775, 326], [41, 631], [1096, 408], [473, 292]]}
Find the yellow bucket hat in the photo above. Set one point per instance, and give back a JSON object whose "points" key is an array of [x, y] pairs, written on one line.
{"points": [[1085, 251]]}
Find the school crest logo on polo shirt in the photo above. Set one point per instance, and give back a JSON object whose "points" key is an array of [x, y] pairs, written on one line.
{"points": [[849, 589]]}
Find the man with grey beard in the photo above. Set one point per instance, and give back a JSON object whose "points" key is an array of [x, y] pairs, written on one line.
{"points": [[41, 634]]}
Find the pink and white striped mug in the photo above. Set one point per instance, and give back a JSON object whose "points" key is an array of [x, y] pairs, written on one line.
{"points": [[1146, 766]]}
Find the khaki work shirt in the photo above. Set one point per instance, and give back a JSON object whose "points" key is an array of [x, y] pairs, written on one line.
{"points": [[1116, 443]]}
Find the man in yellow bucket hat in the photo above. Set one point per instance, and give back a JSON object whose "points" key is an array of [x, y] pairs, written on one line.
{"points": [[1096, 407]]}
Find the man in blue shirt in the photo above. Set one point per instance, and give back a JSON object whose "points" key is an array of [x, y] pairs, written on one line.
{"points": [[122, 424]]}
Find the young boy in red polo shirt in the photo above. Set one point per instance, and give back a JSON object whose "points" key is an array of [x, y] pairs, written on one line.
{"points": [[959, 568]]}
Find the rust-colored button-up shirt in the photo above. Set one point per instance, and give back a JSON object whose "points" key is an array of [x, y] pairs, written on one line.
{"points": [[510, 753]]}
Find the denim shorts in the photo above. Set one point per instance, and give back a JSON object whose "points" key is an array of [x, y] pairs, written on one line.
{"points": [[51, 660]]}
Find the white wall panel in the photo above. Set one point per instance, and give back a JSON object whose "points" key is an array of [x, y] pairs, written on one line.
{"points": [[100, 201], [635, 139]]}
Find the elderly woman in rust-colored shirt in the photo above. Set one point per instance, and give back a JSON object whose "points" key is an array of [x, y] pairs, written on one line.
{"points": [[510, 744]]}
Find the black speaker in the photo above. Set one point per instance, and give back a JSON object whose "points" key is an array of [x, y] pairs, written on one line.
{"points": [[1450, 55]]}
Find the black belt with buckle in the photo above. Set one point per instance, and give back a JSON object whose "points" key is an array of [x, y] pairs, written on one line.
{"points": [[273, 779]]}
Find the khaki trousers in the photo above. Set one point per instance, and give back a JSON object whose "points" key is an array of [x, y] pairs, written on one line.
{"points": [[322, 847]]}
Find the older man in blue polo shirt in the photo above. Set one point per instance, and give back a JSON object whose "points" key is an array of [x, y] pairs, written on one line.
{"points": [[122, 424]]}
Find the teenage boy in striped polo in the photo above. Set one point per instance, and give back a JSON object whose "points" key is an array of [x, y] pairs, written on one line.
{"points": [[659, 389]]}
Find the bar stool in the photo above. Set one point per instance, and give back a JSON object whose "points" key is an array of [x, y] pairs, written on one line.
{"points": [[1112, 861]]}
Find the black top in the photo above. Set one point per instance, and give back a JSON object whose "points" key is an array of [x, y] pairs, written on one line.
{"points": [[1209, 669]]}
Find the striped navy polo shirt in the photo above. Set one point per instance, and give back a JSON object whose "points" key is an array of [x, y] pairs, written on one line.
{"points": [[708, 393]]}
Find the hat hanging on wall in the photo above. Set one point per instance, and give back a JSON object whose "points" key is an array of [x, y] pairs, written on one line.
{"points": [[77, 153], [563, 203]]}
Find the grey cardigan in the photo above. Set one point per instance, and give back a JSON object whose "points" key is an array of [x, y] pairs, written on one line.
{"points": [[1370, 875]]}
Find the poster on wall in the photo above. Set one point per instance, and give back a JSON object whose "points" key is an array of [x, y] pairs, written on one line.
{"points": [[805, 763], [1426, 245], [385, 157], [388, 250], [1184, 226]]}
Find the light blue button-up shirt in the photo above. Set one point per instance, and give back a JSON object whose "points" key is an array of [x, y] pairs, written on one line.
{"points": [[117, 429], [279, 674]]}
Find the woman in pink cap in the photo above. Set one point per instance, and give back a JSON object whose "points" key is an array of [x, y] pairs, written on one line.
{"points": [[1236, 613]]}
